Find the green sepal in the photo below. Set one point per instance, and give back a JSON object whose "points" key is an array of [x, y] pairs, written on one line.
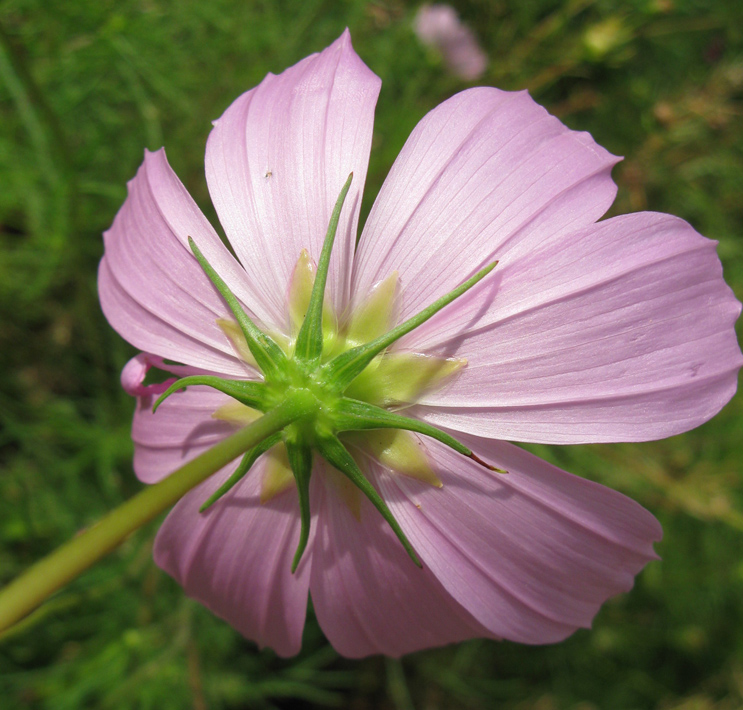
{"points": [[333, 451], [308, 347], [251, 394], [300, 460], [355, 415], [268, 355], [250, 457], [344, 368]]}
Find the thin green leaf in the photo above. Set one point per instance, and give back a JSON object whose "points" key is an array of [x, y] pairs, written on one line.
{"points": [[300, 460], [354, 415], [250, 457], [342, 370], [251, 394], [309, 343], [333, 451], [267, 353]]}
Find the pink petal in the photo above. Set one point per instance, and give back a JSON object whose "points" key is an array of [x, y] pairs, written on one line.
{"points": [[368, 595], [623, 331], [531, 554], [480, 175], [181, 429], [276, 161], [235, 559], [152, 289]]}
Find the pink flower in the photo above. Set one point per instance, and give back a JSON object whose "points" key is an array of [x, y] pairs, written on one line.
{"points": [[439, 26], [586, 331]]}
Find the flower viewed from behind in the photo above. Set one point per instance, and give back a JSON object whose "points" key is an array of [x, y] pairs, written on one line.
{"points": [[584, 331]]}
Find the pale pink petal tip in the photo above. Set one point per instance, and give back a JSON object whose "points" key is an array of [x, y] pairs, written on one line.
{"points": [[640, 345], [439, 26], [276, 161], [152, 290], [531, 555], [235, 558], [368, 596], [487, 175]]}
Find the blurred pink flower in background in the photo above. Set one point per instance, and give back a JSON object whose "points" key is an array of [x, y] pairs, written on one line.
{"points": [[439, 26], [619, 330]]}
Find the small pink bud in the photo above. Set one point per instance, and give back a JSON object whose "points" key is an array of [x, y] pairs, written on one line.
{"points": [[439, 26]]}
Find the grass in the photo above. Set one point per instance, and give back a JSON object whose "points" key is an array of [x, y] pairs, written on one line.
{"points": [[85, 86]]}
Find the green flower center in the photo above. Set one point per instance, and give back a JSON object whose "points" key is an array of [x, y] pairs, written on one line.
{"points": [[354, 385]]}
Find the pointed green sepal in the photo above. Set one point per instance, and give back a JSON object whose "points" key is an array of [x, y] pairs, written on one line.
{"points": [[355, 415], [268, 355], [251, 456], [342, 370], [251, 394], [300, 460], [333, 451], [308, 347]]}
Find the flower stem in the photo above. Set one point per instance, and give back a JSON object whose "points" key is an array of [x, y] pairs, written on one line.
{"points": [[34, 586]]}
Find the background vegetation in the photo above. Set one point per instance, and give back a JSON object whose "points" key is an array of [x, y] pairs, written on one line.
{"points": [[85, 86]]}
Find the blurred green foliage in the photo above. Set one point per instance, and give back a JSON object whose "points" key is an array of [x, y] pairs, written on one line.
{"points": [[85, 86]]}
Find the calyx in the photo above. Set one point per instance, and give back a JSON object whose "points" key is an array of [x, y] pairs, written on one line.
{"points": [[349, 378]]}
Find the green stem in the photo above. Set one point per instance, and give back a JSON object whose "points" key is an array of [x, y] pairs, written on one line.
{"points": [[34, 586]]}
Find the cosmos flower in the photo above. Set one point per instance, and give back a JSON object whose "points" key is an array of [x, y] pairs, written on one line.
{"points": [[439, 26], [585, 331]]}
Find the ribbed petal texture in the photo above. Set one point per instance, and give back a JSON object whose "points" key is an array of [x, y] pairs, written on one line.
{"points": [[236, 557], [623, 331], [276, 161]]}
